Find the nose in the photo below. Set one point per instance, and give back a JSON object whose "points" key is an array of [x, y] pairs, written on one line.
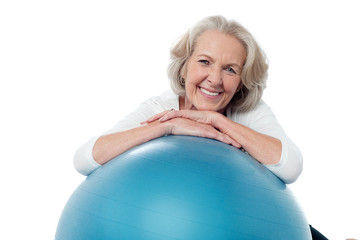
{"points": [[215, 76]]}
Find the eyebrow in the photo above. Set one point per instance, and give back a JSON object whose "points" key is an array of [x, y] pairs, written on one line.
{"points": [[229, 64]]}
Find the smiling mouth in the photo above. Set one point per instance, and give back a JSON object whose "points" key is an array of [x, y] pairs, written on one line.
{"points": [[213, 94]]}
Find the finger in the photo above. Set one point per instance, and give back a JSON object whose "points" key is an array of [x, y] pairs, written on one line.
{"points": [[182, 126], [170, 115], [225, 138], [156, 117], [189, 114], [233, 142]]}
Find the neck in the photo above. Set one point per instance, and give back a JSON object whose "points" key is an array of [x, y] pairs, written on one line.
{"points": [[186, 105], [182, 103]]}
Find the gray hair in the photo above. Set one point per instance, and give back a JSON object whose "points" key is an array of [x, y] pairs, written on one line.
{"points": [[254, 72]]}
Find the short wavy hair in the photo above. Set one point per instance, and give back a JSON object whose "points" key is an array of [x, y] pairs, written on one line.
{"points": [[254, 72]]}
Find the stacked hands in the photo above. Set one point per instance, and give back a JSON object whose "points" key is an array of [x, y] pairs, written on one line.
{"points": [[195, 123]]}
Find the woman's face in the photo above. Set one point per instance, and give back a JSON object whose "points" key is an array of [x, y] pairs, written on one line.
{"points": [[213, 72]]}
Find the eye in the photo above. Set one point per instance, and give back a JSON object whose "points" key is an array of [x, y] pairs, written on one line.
{"points": [[231, 70], [203, 61]]}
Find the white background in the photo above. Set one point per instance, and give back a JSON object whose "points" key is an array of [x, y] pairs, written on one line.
{"points": [[71, 69]]}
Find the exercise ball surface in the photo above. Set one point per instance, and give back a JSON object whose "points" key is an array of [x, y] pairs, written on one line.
{"points": [[186, 188]]}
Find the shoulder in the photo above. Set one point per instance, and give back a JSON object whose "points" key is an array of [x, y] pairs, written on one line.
{"points": [[166, 100], [145, 110], [260, 108]]}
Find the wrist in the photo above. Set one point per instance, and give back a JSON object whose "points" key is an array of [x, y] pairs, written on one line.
{"points": [[221, 122], [161, 128]]}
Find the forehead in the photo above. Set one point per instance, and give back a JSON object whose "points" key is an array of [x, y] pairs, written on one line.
{"points": [[215, 43]]}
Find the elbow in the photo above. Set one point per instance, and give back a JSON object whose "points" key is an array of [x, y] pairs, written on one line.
{"points": [[288, 173], [79, 165], [83, 159], [291, 178], [293, 166], [290, 166]]}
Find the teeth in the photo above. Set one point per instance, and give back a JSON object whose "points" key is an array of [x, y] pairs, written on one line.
{"points": [[209, 93]]}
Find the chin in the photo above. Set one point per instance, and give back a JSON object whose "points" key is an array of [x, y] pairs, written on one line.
{"points": [[211, 108]]}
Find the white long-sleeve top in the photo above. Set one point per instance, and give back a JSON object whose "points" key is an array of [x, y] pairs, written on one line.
{"points": [[260, 119]]}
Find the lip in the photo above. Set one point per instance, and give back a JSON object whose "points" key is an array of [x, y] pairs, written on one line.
{"points": [[209, 96]]}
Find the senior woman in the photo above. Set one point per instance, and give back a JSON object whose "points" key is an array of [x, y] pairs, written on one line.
{"points": [[218, 74]]}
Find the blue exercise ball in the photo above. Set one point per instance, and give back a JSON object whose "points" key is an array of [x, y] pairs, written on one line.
{"points": [[185, 188]]}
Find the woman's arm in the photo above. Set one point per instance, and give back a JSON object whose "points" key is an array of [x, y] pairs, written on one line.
{"points": [[109, 146], [129, 133], [265, 141], [272, 148], [264, 148]]}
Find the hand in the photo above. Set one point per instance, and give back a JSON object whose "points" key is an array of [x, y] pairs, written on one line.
{"points": [[183, 126], [206, 117], [156, 117], [200, 123]]}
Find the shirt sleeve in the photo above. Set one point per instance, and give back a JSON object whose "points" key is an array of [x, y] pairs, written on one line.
{"points": [[262, 119], [289, 168], [83, 161]]}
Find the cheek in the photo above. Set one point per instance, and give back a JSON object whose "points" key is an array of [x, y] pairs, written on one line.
{"points": [[195, 74], [231, 85]]}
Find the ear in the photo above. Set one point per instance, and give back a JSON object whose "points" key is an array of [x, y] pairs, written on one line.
{"points": [[183, 72]]}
